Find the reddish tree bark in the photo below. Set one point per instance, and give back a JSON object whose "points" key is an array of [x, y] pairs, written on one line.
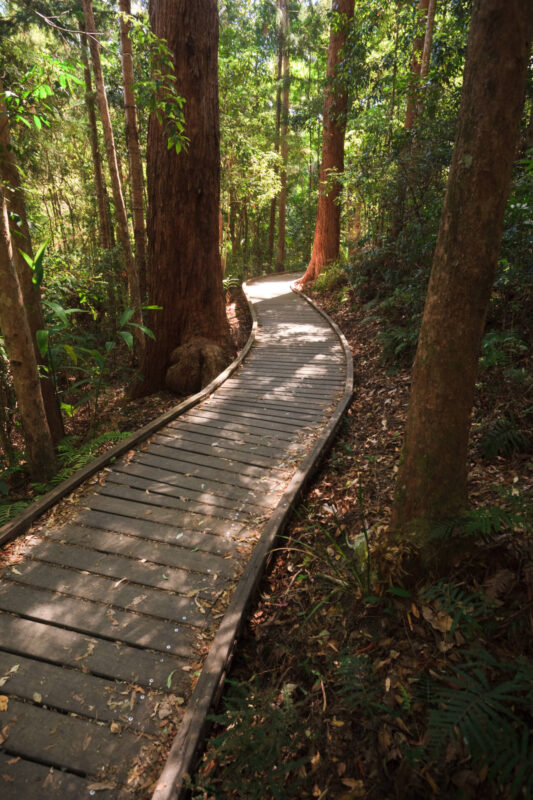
{"points": [[16, 203], [21, 355], [432, 481], [193, 341], [328, 219], [284, 135], [416, 64], [134, 150]]}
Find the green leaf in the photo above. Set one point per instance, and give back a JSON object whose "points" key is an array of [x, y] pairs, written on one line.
{"points": [[128, 338], [37, 121], [144, 329], [69, 350], [42, 338], [126, 316], [397, 591], [58, 310]]}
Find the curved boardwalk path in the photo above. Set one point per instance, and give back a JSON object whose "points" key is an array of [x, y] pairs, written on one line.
{"points": [[105, 620]]}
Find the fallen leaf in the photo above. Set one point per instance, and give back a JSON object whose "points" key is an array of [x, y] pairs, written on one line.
{"points": [[4, 702], [37, 697]]}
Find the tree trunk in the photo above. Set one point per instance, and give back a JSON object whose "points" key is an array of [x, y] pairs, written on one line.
{"points": [[433, 471], [116, 184], [15, 202], [274, 201], [328, 218], [284, 136], [107, 236], [193, 342], [416, 63], [21, 355], [134, 151], [428, 40]]}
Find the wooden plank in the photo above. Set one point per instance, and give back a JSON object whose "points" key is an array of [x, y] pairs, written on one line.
{"points": [[26, 780], [205, 487], [167, 555], [268, 384], [293, 419], [224, 418], [262, 455], [239, 436], [67, 742], [125, 492], [169, 525], [121, 594], [73, 691], [276, 399], [95, 619], [181, 443], [198, 459], [106, 659], [233, 504], [143, 573], [208, 475]]}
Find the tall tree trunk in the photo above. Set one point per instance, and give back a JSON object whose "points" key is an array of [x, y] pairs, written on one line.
{"points": [[274, 201], [284, 136], [411, 113], [433, 472], [428, 40], [416, 64], [116, 184], [193, 341], [15, 202], [328, 218], [21, 355], [107, 236], [134, 151]]}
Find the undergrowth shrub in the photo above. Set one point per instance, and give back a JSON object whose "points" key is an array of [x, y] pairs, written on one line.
{"points": [[262, 741]]}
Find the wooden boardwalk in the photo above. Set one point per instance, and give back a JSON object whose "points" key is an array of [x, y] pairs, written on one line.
{"points": [[105, 621]]}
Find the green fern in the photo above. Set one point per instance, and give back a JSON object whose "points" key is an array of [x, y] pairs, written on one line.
{"points": [[358, 685], [10, 510], [485, 522], [467, 609], [486, 708], [259, 747], [504, 438]]}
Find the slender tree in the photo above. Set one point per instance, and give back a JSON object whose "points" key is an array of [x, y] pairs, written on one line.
{"points": [[284, 135], [193, 341], [328, 219], [16, 204], [432, 480], [274, 201], [134, 150], [107, 237], [21, 355], [116, 183]]}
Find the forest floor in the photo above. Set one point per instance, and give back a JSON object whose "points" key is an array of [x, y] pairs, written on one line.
{"points": [[345, 684]]}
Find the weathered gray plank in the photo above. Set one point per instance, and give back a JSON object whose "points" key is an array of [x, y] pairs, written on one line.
{"points": [[71, 690], [167, 490], [101, 657], [180, 442], [96, 619], [67, 742], [171, 522], [26, 780], [198, 459], [166, 555]]}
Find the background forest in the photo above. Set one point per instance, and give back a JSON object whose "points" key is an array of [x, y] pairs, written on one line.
{"points": [[66, 166]]}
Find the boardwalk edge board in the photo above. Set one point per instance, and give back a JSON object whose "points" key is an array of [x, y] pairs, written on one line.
{"points": [[22, 521], [172, 784]]}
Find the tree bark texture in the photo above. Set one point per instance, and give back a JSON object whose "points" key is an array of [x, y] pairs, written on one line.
{"points": [[274, 201], [134, 150], [284, 135], [107, 237], [193, 341], [116, 183], [21, 240], [432, 481], [21, 355], [428, 40], [328, 219], [416, 64]]}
